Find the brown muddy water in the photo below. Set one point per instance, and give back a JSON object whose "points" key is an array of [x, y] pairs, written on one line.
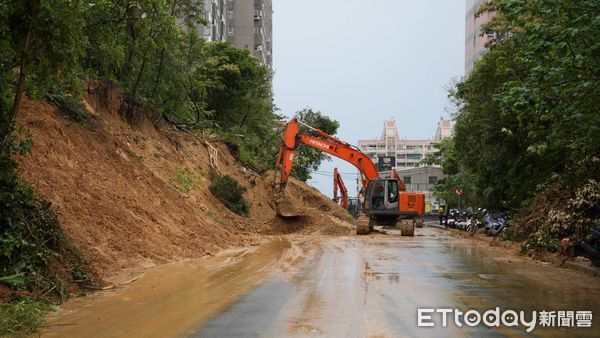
{"points": [[368, 286]]}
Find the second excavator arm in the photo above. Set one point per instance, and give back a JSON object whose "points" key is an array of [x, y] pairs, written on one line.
{"points": [[338, 184]]}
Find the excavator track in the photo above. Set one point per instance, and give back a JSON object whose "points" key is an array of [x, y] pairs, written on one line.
{"points": [[406, 226], [364, 225]]}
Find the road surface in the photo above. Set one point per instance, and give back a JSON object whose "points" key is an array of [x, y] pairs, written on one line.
{"points": [[369, 286]]}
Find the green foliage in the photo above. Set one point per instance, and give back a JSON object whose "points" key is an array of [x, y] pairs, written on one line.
{"points": [[185, 179], [309, 159], [22, 317], [527, 114], [447, 157], [70, 107], [229, 191], [55, 48], [527, 129], [30, 237], [143, 47], [237, 93]]}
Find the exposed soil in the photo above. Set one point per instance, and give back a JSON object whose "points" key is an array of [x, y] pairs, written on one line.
{"points": [[6, 294], [113, 181]]}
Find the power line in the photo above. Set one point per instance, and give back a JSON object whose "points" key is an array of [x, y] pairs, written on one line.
{"points": [[341, 173]]}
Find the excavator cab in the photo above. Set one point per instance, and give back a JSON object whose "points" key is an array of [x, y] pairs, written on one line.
{"points": [[385, 201], [382, 194]]}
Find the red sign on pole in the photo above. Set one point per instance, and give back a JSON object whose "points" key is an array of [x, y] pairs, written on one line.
{"points": [[458, 192]]}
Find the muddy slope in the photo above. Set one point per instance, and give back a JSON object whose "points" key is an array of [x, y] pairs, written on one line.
{"points": [[114, 181]]}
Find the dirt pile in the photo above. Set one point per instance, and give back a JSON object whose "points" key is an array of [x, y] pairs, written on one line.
{"points": [[132, 191]]}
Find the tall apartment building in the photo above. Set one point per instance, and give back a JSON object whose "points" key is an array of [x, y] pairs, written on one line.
{"points": [[245, 23], [251, 28], [390, 150], [215, 14], [475, 41]]}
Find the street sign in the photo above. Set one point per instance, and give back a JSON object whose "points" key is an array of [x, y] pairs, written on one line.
{"points": [[459, 192]]}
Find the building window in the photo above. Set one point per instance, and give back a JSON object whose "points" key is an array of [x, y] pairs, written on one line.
{"points": [[433, 179], [406, 179], [414, 156], [230, 31]]}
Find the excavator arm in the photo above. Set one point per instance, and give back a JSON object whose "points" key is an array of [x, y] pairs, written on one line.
{"points": [[326, 143], [338, 184]]}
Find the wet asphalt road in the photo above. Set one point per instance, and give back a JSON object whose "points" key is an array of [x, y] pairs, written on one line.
{"points": [[372, 286]]}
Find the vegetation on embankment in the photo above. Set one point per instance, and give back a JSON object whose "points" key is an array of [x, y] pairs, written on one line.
{"points": [[527, 127]]}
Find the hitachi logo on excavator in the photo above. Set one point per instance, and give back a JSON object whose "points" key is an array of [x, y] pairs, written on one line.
{"points": [[318, 144]]}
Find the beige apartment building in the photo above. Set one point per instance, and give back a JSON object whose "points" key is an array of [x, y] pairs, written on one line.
{"points": [[390, 150], [475, 40], [245, 23]]}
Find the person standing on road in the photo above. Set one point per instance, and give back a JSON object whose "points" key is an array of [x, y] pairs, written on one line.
{"points": [[441, 211]]}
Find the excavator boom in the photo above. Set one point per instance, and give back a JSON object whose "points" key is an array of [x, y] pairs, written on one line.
{"points": [[338, 184], [326, 143]]}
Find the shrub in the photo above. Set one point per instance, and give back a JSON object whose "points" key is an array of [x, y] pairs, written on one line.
{"points": [[229, 191], [32, 245], [24, 316], [558, 213], [70, 107]]}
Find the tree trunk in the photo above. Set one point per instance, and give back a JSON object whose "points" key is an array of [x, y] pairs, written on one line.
{"points": [[159, 71], [22, 71], [139, 77], [162, 55]]}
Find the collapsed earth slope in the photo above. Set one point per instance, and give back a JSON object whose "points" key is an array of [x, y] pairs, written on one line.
{"points": [[132, 191]]}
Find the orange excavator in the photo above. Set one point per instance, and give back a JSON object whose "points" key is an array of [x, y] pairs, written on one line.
{"points": [[338, 184], [385, 201]]}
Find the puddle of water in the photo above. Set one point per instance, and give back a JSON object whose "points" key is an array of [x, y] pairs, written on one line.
{"points": [[170, 300]]}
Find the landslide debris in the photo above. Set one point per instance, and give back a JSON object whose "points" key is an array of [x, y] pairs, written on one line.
{"points": [[132, 191]]}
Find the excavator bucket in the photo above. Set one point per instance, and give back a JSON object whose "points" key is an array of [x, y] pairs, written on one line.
{"points": [[286, 206]]}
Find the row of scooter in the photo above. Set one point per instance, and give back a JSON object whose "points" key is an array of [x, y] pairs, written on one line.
{"points": [[493, 224]]}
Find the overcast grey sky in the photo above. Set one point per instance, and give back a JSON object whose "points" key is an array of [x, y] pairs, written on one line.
{"points": [[362, 62]]}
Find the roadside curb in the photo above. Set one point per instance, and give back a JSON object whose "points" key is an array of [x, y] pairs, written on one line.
{"points": [[589, 269]]}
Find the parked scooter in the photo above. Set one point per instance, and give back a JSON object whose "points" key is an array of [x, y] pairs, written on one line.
{"points": [[450, 221], [496, 225], [477, 221], [463, 218]]}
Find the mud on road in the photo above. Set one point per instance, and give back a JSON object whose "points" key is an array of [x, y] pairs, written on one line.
{"points": [[331, 286]]}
